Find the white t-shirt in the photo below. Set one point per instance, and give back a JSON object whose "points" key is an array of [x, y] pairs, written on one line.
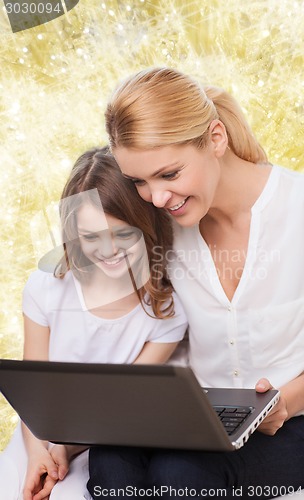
{"points": [[260, 333], [78, 335]]}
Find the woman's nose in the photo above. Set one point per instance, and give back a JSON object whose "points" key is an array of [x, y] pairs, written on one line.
{"points": [[160, 198]]}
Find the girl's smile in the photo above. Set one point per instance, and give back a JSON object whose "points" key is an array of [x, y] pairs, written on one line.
{"points": [[109, 243]]}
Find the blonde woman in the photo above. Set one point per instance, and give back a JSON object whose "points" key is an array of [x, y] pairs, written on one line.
{"points": [[239, 246]]}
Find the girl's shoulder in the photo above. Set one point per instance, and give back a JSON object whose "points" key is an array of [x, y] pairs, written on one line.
{"points": [[41, 281], [178, 318], [179, 308]]}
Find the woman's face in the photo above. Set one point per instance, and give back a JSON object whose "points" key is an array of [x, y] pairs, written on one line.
{"points": [[109, 243], [181, 178]]}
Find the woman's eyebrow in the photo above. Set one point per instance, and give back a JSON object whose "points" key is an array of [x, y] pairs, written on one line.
{"points": [[155, 174], [131, 177]]}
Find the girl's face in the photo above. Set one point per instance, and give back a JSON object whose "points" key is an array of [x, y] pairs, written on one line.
{"points": [[109, 243], [181, 178]]}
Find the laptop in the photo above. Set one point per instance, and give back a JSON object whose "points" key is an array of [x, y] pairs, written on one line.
{"points": [[131, 405]]}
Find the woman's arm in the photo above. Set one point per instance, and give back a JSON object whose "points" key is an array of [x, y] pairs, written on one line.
{"points": [[293, 393], [155, 353], [290, 403]]}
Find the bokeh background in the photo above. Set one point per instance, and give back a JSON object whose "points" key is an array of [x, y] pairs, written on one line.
{"points": [[55, 81]]}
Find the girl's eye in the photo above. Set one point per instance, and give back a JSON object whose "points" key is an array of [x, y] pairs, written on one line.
{"points": [[90, 237], [125, 235]]}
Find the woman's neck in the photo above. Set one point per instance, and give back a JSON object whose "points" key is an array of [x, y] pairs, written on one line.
{"points": [[240, 185]]}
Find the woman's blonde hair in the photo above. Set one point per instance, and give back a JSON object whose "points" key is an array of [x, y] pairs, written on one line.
{"points": [[162, 106]]}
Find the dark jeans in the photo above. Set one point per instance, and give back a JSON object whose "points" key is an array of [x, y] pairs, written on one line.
{"points": [[267, 466]]}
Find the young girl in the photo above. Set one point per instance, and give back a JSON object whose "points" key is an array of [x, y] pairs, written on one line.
{"points": [[107, 302], [239, 273]]}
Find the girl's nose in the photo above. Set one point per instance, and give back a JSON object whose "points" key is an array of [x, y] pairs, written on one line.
{"points": [[107, 247]]}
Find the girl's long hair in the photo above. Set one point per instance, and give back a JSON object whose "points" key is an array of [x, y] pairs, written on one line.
{"points": [[97, 169]]}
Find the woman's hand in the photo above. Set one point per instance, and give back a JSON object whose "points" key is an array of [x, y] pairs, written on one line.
{"points": [[277, 416], [41, 477]]}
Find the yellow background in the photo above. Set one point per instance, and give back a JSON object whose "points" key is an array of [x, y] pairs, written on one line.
{"points": [[55, 80]]}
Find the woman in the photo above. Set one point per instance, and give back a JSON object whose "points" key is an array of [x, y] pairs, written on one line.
{"points": [[238, 267], [105, 303]]}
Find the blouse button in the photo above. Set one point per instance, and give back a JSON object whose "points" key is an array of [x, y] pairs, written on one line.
{"points": [[236, 373]]}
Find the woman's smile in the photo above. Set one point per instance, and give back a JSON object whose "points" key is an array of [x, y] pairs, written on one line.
{"points": [[179, 208], [164, 175]]}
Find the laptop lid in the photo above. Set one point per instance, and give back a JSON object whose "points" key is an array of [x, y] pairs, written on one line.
{"points": [[131, 405]]}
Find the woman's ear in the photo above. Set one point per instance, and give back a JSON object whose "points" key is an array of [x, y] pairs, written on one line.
{"points": [[218, 137]]}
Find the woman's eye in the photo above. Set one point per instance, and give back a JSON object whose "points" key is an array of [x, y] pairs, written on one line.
{"points": [[170, 175], [138, 182]]}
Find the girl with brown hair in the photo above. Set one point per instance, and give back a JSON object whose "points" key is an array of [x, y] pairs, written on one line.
{"points": [[108, 301]]}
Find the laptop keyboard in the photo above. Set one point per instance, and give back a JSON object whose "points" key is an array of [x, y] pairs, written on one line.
{"points": [[232, 417]]}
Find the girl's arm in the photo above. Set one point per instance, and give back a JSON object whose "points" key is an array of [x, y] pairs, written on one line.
{"points": [[42, 471], [36, 340], [155, 353]]}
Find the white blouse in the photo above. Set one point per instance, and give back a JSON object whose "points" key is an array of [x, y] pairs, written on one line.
{"points": [[260, 333]]}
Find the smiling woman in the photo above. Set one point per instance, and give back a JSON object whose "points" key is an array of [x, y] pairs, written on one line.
{"points": [[189, 150], [176, 184]]}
